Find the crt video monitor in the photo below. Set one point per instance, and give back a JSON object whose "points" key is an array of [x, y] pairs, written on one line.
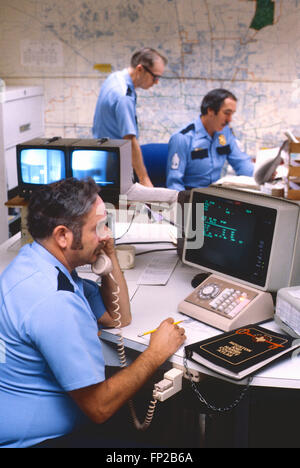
{"points": [[108, 162], [248, 237], [42, 161]]}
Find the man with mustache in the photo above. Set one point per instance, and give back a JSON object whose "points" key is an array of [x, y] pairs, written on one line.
{"points": [[197, 153], [53, 378]]}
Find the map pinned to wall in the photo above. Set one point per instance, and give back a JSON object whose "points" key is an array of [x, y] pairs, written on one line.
{"points": [[250, 47]]}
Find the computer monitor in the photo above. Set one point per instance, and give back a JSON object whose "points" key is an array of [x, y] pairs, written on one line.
{"points": [[108, 162], [248, 237], [42, 161]]}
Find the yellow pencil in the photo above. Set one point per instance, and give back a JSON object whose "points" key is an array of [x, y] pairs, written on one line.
{"points": [[152, 331]]}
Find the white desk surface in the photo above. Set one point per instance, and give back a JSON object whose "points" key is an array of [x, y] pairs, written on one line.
{"points": [[152, 304]]}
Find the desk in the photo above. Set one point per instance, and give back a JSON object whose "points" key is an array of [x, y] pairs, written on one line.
{"points": [[151, 304]]}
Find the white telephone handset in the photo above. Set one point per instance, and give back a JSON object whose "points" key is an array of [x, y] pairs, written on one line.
{"points": [[102, 265]]}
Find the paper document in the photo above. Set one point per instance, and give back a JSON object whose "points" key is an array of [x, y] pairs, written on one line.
{"points": [[267, 162], [194, 331], [138, 192], [238, 181], [132, 288], [159, 270]]}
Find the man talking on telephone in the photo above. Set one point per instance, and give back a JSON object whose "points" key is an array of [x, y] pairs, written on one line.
{"points": [[53, 378]]}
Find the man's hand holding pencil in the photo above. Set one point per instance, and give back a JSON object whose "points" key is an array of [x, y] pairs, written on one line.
{"points": [[165, 341]]}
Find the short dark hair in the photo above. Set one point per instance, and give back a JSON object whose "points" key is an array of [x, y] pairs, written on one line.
{"points": [[146, 56], [214, 100], [66, 203]]}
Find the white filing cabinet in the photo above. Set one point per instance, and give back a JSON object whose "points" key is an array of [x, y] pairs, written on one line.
{"points": [[21, 119]]}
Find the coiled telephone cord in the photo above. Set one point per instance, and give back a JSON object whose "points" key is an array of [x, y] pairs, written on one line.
{"points": [[123, 363]]}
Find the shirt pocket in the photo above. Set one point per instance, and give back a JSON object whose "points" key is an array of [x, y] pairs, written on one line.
{"points": [[223, 150], [199, 153]]}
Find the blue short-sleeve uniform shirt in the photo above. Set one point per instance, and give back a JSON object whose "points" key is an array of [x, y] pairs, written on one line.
{"points": [[48, 325], [115, 114], [196, 159]]}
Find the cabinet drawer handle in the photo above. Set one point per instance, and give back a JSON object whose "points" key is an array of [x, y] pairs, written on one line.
{"points": [[24, 128]]}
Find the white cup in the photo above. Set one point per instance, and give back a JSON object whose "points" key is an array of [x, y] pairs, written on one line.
{"points": [[126, 256]]}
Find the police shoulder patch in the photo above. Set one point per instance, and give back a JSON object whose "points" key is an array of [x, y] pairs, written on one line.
{"points": [[175, 161]]}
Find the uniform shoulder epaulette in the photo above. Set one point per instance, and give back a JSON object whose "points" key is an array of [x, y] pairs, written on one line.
{"points": [[188, 129], [63, 283], [129, 91]]}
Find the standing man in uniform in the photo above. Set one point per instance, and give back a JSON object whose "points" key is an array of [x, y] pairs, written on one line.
{"points": [[198, 152], [115, 114]]}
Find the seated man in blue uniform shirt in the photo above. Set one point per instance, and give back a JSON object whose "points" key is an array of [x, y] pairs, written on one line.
{"points": [[115, 114], [197, 153], [52, 378]]}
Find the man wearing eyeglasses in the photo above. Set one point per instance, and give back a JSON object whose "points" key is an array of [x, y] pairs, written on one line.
{"points": [[115, 114]]}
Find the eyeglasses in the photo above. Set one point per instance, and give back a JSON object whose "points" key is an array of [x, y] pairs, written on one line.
{"points": [[155, 77]]}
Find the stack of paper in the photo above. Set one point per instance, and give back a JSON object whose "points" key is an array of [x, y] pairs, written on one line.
{"points": [[138, 192]]}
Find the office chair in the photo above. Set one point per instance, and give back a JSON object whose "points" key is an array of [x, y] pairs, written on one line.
{"points": [[155, 157]]}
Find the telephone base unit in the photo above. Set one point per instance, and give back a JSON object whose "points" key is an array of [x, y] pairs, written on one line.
{"points": [[227, 305]]}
